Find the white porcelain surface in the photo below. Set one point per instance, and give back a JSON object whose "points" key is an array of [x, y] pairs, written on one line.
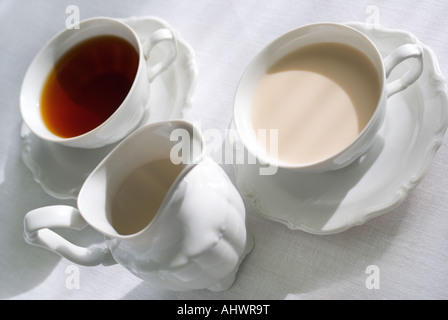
{"points": [[197, 238], [197, 241], [61, 170], [331, 202]]}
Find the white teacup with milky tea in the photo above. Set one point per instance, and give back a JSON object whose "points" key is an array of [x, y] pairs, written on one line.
{"points": [[314, 98]]}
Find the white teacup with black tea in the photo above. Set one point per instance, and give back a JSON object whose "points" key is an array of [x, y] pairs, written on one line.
{"points": [[89, 87]]}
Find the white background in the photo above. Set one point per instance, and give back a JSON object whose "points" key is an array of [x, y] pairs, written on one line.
{"points": [[409, 244]]}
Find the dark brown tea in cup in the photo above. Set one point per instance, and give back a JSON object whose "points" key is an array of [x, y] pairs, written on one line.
{"points": [[87, 84]]}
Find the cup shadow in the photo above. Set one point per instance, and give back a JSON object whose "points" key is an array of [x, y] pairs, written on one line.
{"points": [[25, 266], [60, 170], [326, 190], [294, 191]]}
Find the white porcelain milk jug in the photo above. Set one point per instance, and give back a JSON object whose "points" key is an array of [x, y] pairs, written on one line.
{"points": [[196, 238]]}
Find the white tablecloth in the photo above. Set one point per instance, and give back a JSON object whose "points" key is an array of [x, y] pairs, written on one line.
{"points": [[408, 246]]}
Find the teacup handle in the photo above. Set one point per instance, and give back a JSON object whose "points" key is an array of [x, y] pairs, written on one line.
{"points": [[161, 35], [37, 223], [406, 51]]}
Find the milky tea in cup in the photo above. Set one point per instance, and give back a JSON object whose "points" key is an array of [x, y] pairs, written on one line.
{"points": [[315, 98], [319, 97]]}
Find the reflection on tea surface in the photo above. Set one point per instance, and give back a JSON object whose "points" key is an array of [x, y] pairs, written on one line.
{"points": [[87, 85], [319, 97]]}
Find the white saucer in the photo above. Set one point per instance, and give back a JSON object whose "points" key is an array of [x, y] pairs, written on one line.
{"points": [[61, 171], [332, 202]]}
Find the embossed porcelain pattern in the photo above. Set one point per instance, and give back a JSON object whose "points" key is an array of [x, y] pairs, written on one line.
{"points": [[198, 237]]}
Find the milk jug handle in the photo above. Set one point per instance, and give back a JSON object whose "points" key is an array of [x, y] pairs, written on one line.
{"points": [[37, 224]]}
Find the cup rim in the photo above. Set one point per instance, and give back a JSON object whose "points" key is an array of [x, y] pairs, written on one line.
{"points": [[47, 46], [315, 166]]}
